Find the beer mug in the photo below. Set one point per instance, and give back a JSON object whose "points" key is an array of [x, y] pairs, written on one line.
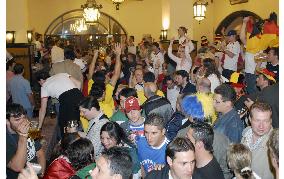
{"points": [[34, 132]]}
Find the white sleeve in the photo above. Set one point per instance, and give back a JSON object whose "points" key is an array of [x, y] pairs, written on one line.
{"points": [[44, 92], [172, 56]]}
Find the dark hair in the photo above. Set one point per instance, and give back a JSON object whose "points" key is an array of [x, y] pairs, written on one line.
{"points": [[260, 106], [97, 90], [155, 120], [131, 36], [14, 109], [119, 161], [99, 76], [127, 92], [168, 78], [133, 56], [203, 132], [18, 68], [182, 73], [80, 153], [227, 92], [60, 148], [179, 144], [43, 75], [114, 130], [149, 77], [211, 68], [69, 53], [89, 102], [10, 63], [156, 44]]}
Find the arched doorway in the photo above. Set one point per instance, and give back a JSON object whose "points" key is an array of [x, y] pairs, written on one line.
{"points": [[96, 35], [234, 21]]}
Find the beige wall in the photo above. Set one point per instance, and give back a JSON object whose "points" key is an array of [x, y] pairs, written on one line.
{"points": [[137, 17], [17, 19]]}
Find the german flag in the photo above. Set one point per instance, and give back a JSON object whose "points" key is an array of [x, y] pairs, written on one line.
{"points": [[260, 35]]}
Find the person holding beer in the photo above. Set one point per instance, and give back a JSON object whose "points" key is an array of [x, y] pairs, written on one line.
{"points": [[20, 148]]}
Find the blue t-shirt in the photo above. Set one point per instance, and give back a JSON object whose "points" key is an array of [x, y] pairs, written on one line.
{"points": [[149, 156]]}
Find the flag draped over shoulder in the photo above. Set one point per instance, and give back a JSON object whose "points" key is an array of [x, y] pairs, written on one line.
{"points": [[260, 36]]}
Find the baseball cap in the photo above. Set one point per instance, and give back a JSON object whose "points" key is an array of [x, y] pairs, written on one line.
{"points": [[232, 32], [131, 103]]}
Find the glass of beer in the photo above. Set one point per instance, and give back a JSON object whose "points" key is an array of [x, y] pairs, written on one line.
{"points": [[34, 132]]}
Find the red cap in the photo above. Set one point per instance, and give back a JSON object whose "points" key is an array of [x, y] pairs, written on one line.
{"points": [[131, 103]]}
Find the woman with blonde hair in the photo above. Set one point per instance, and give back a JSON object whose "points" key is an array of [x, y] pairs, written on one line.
{"points": [[239, 160]]}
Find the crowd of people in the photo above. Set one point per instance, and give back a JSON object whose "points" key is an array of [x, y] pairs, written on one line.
{"points": [[149, 111]]}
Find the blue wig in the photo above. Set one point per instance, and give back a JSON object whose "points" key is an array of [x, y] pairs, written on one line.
{"points": [[192, 107]]}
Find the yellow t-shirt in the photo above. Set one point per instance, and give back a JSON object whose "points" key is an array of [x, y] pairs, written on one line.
{"points": [[107, 105], [142, 98]]}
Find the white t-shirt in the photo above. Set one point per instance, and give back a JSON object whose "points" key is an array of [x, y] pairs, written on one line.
{"points": [[172, 95], [182, 64], [132, 49], [249, 63], [214, 80], [55, 85], [57, 54], [158, 57], [232, 63]]}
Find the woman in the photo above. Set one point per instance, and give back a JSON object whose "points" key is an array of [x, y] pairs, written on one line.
{"points": [[211, 72], [183, 59], [239, 160], [113, 135], [61, 166]]}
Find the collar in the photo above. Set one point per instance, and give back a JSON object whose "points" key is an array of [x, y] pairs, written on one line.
{"points": [[163, 143]]}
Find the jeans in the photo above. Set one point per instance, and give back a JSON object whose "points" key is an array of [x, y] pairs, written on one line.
{"points": [[251, 83]]}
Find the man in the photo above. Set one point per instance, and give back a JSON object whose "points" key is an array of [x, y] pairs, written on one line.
{"points": [[57, 53], [151, 148], [181, 79], [273, 144], [9, 74], [19, 147], [134, 126], [156, 104], [273, 62], [203, 85], [172, 91], [180, 161], [65, 88], [231, 52], [157, 58], [20, 90], [113, 164], [131, 46], [120, 116], [90, 109], [202, 135], [67, 66], [265, 78], [228, 122], [255, 137]]}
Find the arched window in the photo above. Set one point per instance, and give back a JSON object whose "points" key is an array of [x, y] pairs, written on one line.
{"points": [[94, 35]]}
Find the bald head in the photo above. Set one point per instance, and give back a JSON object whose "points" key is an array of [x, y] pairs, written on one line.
{"points": [[150, 89], [203, 85]]}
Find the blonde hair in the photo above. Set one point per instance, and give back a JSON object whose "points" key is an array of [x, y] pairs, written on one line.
{"points": [[239, 160]]}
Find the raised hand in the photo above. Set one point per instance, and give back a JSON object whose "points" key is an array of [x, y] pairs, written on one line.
{"points": [[117, 49]]}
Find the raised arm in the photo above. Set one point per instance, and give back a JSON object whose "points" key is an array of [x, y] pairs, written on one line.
{"points": [[171, 55], [117, 66], [243, 31], [93, 64]]}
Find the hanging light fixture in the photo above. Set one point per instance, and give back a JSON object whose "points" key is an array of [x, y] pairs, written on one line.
{"points": [[117, 3], [199, 8], [91, 11], [78, 26]]}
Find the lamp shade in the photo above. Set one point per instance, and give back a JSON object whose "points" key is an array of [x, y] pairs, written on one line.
{"points": [[30, 36], [10, 36]]}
